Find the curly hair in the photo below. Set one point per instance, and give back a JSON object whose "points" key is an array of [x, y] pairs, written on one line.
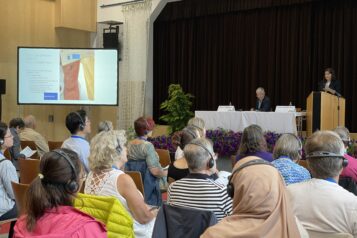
{"points": [[106, 148]]}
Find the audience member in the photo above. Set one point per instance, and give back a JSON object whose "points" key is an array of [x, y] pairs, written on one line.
{"points": [[199, 124], [142, 157], [7, 174], [198, 190], [351, 170], [105, 126], [263, 102], [253, 143], [287, 152], [79, 126], [108, 151], [179, 168], [29, 134], [196, 122], [16, 125], [49, 201], [260, 205], [320, 203], [150, 125]]}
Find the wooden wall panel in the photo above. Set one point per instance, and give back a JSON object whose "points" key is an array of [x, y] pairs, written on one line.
{"points": [[76, 14], [32, 23]]}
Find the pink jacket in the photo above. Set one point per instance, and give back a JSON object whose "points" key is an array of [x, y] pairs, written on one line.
{"points": [[62, 222], [351, 169]]}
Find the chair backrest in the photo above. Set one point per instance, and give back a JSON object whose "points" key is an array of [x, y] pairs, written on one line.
{"points": [[348, 184], [52, 145], [29, 169], [175, 222], [136, 176], [20, 192], [7, 154], [170, 180], [315, 234], [164, 156], [233, 160], [7, 221], [32, 146], [303, 163]]}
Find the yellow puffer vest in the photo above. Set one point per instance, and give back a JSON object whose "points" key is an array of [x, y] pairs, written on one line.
{"points": [[109, 211]]}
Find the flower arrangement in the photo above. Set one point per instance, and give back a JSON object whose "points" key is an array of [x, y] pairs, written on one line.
{"points": [[226, 142]]}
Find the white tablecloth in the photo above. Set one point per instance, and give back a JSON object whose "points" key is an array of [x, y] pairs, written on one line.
{"points": [[280, 122]]}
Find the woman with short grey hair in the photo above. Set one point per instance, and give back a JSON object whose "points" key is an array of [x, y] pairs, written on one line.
{"points": [[287, 152]]}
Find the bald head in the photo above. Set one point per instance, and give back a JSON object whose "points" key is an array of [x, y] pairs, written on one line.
{"points": [[30, 121]]}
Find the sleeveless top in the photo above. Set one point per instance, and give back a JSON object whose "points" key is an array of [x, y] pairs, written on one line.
{"points": [[106, 185]]}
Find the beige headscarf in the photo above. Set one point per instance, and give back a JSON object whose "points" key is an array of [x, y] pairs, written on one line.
{"points": [[260, 206]]}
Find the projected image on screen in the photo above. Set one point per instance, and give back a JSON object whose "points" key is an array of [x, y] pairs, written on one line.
{"points": [[77, 75], [67, 76]]}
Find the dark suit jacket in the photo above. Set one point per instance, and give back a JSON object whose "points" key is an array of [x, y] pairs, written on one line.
{"points": [[335, 85], [265, 106]]}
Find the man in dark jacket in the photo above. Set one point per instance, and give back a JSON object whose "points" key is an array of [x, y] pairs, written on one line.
{"points": [[263, 102]]}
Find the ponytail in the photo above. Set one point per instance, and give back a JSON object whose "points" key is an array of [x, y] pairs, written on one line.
{"points": [[48, 190], [43, 196]]}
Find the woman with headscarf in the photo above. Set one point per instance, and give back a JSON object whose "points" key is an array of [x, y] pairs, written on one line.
{"points": [[260, 205]]}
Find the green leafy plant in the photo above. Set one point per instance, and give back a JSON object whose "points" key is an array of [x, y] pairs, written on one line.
{"points": [[178, 108]]}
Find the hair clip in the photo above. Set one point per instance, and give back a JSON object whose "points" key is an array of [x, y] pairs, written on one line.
{"points": [[40, 175]]}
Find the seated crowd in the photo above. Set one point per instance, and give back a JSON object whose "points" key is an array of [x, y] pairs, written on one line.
{"points": [[266, 194]]}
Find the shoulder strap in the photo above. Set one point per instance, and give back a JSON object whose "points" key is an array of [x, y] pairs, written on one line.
{"points": [[2, 160]]}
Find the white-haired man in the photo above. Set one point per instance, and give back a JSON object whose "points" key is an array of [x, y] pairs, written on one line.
{"points": [[320, 203], [263, 102], [198, 190]]}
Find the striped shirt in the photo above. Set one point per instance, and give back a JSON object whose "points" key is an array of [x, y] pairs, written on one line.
{"points": [[200, 192]]}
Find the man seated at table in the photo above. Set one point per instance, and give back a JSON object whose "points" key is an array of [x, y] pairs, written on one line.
{"points": [[263, 102]]}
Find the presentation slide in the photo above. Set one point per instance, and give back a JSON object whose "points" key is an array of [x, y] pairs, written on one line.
{"points": [[67, 76]]}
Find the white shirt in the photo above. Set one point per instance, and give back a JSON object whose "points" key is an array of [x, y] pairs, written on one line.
{"points": [[107, 186], [324, 206], [81, 146], [7, 174]]}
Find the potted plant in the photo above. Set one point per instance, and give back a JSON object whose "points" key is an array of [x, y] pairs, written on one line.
{"points": [[178, 108]]}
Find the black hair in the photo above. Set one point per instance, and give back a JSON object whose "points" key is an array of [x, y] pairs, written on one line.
{"points": [[17, 122], [74, 120], [3, 130]]}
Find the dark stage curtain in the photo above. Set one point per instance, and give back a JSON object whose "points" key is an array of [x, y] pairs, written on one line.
{"points": [[222, 50]]}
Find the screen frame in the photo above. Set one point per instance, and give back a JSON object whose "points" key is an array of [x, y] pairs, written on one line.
{"points": [[64, 48]]}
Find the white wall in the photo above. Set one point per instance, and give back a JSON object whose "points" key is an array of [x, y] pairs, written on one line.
{"points": [[136, 66]]}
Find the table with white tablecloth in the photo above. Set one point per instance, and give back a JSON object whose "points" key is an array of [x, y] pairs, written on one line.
{"points": [[280, 122]]}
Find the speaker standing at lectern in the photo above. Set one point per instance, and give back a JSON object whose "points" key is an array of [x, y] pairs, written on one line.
{"points": [[330, 83]]}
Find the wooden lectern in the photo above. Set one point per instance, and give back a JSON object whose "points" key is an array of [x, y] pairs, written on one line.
{"points": [[324, 111]]}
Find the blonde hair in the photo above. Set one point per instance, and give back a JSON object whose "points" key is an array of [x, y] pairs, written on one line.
{"points": [[106, 148], [105, 126], [288, 145], [199, 124]]}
